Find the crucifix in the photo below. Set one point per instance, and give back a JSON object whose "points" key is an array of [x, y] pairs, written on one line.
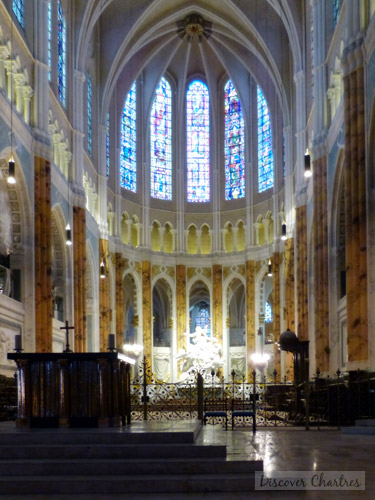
{"points": [[67, 328]]}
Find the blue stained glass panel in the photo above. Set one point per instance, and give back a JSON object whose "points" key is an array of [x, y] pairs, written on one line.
{"points": [[61, 51], [336, 11], [89, 115], [265, 153], [128, 158], [161, 142], [234, 144], [268, 317], [198, 142], [49, 27], [18, 11], [107, 147], [202, 319]]}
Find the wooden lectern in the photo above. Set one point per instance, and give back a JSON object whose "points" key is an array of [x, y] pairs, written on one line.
{"points": [[72, 389]]}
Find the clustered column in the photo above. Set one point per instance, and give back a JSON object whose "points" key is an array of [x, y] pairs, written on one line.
{"points": [[250, 311], [289, 301], [217, 288], [79, 252], [120, 266], [355, 203], [43, 255], [147, 309], [276, 310], [320, 239], [104, 304], [301, 273]]}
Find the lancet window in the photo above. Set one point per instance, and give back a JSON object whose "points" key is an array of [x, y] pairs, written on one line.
{"points": [[128, 155], [265, 153]]}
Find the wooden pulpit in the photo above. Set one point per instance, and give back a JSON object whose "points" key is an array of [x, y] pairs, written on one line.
{"points": [[72, 389]]}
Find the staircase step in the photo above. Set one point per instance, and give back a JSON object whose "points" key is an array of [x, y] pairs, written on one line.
{"points": [[127, 484], [365, 422], [10, 468], [91, 451]]}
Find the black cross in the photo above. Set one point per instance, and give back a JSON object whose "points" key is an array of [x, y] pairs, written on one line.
{"points": [[67, 328]]}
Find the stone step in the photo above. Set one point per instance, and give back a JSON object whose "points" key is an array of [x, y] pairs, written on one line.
{"points": [[359, 431], [10, 468], [127, 484], [42, 437], [114, 451], [365, 422]]}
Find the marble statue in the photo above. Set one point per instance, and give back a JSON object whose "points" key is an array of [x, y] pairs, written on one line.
{"points": [[203, 355]]}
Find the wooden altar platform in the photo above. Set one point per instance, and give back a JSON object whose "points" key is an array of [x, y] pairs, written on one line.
{"points": [[72, 389]]}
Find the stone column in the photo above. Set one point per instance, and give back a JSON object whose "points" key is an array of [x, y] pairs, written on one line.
{"points": [[43, 255], [276, 310], [147, 308], [120, 266], [301, 274], [355, 202], [181, 305], [320, 240], [250, 313], [217, 309], [289, 301], [79, 262], [104, 302]]}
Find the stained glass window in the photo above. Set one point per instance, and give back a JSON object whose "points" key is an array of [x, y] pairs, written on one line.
{"points": [[265, 153], [18, 11], [336, 11], [202, 319], [107, 147], [61, 51], [49, 26], [198, 142], [234, 144], [128, 159], [161, 142], [89, 115], [268, 318]]}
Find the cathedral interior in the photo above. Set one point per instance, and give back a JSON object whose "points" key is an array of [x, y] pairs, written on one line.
{"points": [[168, 165]]}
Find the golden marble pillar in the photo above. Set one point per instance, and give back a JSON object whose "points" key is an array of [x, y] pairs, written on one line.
{"points": [[320, 239], [217, 292], [120, 266], [79, 258], [289, 302], [355, 208], [147, 310], [301, 274], [276, 311], [104, 302], [250, 313], [43, 255], [181, 305]]}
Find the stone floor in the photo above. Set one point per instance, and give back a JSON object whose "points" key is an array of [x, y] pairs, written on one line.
{"points": [[292, 449]]}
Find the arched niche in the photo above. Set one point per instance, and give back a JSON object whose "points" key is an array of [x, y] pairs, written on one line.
{"points": [[236, 299], [131, 319], [199, 307], [162, 314]]}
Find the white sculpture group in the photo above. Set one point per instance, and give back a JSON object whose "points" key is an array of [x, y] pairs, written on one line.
{"points": [[203, 355]]}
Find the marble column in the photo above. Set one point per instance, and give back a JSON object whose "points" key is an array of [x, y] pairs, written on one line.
{"points": [[79, 257], [320, 240], [43, 255], [147, 310], [250, 313], [217, 292], [276, 311], [301, 274], [289, 301], [181, 305], [355, 202], [120, 266], [104, 302]]}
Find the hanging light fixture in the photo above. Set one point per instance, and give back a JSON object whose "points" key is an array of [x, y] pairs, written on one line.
{"points": [[68, 235], [308, 172], [269, 273], [11, 170], [102, 269], [283, 231]]}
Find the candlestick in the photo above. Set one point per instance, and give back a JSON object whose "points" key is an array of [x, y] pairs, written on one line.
{"points": [[111, 342], [18, 343]]}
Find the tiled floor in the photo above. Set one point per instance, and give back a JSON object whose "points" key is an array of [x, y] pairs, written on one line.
{"points": [[292, 449]]}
